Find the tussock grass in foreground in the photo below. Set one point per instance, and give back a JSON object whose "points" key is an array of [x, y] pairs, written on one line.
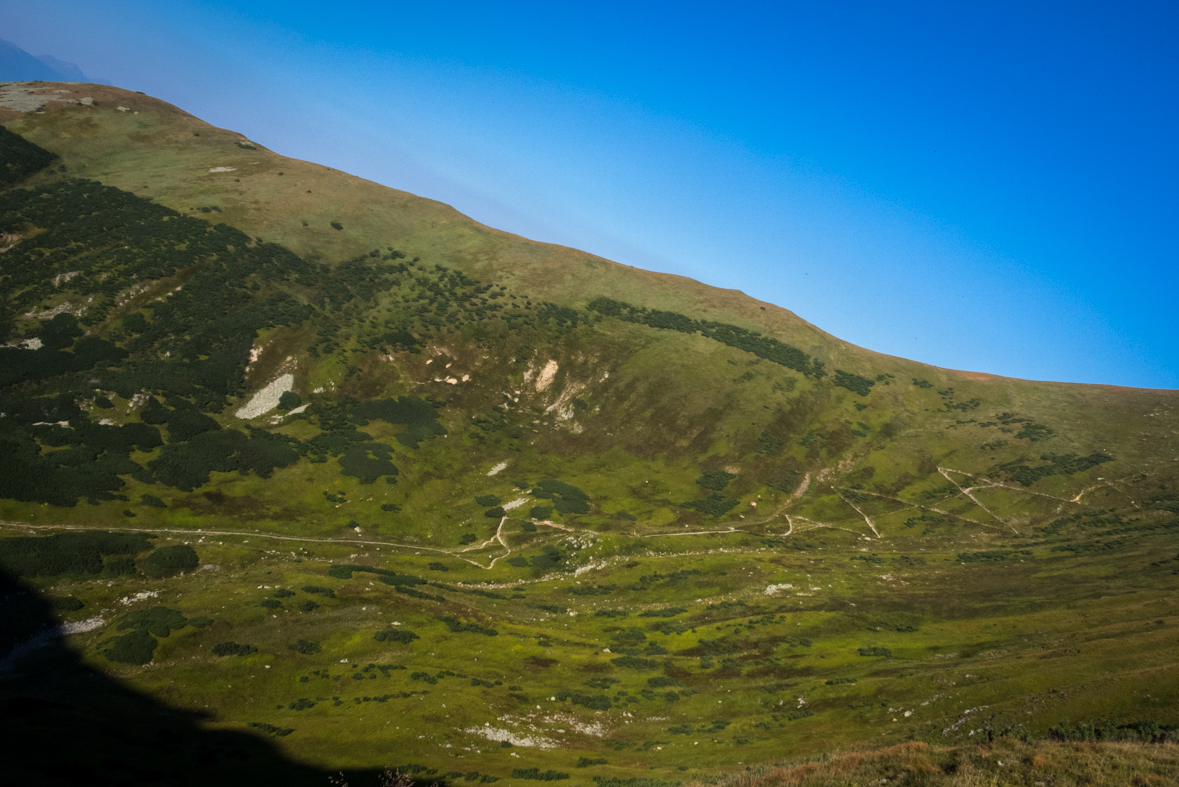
{"points": [[1005, 762]]}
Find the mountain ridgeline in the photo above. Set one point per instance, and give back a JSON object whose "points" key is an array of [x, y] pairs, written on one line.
{"points": [[240, 374]]}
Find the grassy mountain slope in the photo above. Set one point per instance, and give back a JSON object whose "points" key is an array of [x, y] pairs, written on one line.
{"points": [[681, 528]]}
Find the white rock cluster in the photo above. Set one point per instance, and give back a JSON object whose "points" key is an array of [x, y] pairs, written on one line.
{"points": [[267, 399]]}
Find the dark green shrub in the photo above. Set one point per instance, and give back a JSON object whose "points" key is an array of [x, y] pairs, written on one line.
{"points": [[715, 504], [118, 567], [876, 651], [392, 508], [337, 225], [158, 621], [326, 592], [416, 593], [308, 606], [357, 462], [417, 414], [270, 603], [540, 512], [994, 555], [66, 604], [518, 562], [153, 412], [289, 400], [283, 593], [549, 558], [154, 502], [538, 775], [135, 322], [134, 648], [60, 332], [469, 538], [838, 681], [669, 612], [1037, 432], [436, 566], [853, 382], [1058, 464], [635, 663], [487, 501], [592, 590], [528, 527], [566, 498], [170, 561], [187, 465], [495, 513], [458, 626], [270, 729], [233, 649], [731, 335], [769, 444], [399, 636], [184, 425], [306, 647], [78, 553], [345, 571], [716, 480], [594, 702]]}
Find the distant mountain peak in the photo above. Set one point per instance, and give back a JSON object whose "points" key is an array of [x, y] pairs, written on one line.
{"points": [[17, 65]]}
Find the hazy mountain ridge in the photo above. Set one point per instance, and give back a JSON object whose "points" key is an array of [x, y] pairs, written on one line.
{"points": [[18, 65], [520, 410]]}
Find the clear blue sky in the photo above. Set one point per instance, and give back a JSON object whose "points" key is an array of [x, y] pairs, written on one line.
{"points": [[984, 186]]}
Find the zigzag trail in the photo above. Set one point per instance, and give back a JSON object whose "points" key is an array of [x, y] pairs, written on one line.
{"points": [[867, 518], [456, 553], [967, 491], [499, 537]]}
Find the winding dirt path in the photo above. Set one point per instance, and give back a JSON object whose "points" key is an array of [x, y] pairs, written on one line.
{"points": [[867, 518]]}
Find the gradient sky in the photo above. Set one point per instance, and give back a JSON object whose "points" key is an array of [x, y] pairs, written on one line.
{"points": [[983, 186]]}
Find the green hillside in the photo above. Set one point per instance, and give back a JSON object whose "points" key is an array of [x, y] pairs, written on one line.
{"points": [[267, 424]]}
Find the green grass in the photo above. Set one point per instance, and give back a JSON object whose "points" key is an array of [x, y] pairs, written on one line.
{"points": [[779, 670]]}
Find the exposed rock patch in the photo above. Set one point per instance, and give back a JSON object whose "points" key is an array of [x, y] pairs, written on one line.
{"points": [[267, 399]]}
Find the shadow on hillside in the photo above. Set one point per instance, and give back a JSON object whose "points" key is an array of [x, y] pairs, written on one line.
{"points": [[63, 723]]}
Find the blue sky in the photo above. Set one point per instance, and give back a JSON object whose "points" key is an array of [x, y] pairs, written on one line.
{"points": [[988, 187]]}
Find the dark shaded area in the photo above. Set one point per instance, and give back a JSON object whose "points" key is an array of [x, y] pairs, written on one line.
{"points": [[20, 158], [66, 724]]}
